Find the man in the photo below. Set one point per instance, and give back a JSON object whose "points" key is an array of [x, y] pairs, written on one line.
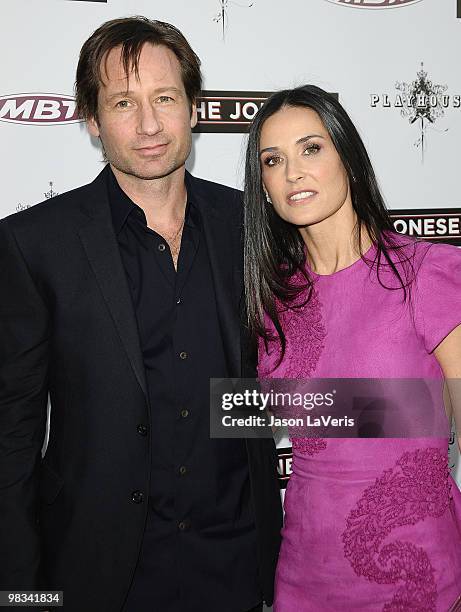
{"points": [[121, 299]]}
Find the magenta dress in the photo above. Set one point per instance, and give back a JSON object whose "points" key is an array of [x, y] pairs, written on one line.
{"points": [[371, 524]]}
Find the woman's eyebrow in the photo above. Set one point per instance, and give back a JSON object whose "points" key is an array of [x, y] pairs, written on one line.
{"points": [[301, 140]]}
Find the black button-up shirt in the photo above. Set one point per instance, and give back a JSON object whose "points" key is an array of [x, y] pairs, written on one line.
{"points": [[199, 546]]}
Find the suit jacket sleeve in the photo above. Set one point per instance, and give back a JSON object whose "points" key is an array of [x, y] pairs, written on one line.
{"points": [[24, 345]]}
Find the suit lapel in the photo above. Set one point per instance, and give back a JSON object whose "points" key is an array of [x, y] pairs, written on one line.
{"points": [[222, 237], [101, 247]]}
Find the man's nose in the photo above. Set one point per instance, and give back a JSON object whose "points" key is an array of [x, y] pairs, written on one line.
{"points": [[149, 122]]}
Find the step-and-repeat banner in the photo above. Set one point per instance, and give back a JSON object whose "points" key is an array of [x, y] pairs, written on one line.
{"points": [[394, 65]]}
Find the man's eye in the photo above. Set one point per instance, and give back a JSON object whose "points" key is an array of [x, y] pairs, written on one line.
{"points": [[165, 99], [123, 104]]}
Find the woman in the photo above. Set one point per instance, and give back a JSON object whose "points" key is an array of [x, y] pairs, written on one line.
{"points": [[333, 292]]}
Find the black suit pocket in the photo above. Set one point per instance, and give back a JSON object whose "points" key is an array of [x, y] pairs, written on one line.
{"points": [[50, 484]]}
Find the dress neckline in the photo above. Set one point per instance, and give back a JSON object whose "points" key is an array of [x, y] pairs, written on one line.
{"points": [[343, 270]]}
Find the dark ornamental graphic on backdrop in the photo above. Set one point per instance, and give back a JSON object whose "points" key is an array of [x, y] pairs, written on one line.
{"points": [[422, 103], [374, 4], [424, 106], [51, 193], [222, 17]]}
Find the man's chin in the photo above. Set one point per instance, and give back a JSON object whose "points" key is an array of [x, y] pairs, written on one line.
{"points": [[147, 174]]}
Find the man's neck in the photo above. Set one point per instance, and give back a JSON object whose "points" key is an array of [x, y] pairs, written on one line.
{"points": [[163, 200]]}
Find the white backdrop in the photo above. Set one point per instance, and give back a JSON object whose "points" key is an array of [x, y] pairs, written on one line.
{"points": [[367, 51]]}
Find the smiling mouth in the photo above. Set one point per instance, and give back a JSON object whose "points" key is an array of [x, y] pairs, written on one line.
{"points": [[301, 196]]}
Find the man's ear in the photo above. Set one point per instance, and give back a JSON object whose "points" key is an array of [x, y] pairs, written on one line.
{"points": [[193, 115], [92, 126]]}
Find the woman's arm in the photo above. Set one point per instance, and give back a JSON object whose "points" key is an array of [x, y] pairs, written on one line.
{"points": [[448, 354]]}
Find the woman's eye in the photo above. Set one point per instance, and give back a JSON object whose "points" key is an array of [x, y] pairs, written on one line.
{"points": [[311, 149], [123, 104], [271, 161], [165, 99]]}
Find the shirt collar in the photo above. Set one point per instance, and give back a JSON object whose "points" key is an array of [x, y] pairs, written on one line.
{"points": [[122, 206]]}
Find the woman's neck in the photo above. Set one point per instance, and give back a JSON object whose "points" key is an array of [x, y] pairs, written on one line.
{"points": [[332, 244]]}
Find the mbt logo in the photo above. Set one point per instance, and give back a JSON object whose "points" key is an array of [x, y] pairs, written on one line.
{"points": [[374, 4], [38, 109], [435, 224], [285, 458]]}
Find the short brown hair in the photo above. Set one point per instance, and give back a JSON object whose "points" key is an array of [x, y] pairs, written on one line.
{"points": [[130, 33]]}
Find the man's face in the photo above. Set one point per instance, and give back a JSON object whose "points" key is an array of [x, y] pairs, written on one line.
{"points": [[144, 123]]}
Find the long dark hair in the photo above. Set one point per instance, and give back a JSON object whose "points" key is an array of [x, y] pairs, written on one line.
{"points": [[274, 248]]}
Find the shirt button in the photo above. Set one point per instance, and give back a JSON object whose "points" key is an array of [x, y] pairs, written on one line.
{"points": [[184, 525], [182, 470], [184, 413], [137, 497], [183, 355], [161, 247], [142, 430]]}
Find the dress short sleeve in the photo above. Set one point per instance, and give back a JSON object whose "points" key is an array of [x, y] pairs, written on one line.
{"points": [[437, 299]]}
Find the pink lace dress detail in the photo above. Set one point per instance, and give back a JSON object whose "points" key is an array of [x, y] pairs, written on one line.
{"points": [[416, 488], [305, 335]]}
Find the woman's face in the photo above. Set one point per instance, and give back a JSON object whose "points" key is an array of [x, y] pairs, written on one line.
{"points": [[301, 169]]}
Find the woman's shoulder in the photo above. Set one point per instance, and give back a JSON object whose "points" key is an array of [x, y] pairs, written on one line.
{"points": [[436, 292], [437, 259], [425, 257]]}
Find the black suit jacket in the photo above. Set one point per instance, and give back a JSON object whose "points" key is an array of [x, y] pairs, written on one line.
{"points": [[67, 327]]}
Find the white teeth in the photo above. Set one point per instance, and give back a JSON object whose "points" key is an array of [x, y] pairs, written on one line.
{"points": [[302, 195]]}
